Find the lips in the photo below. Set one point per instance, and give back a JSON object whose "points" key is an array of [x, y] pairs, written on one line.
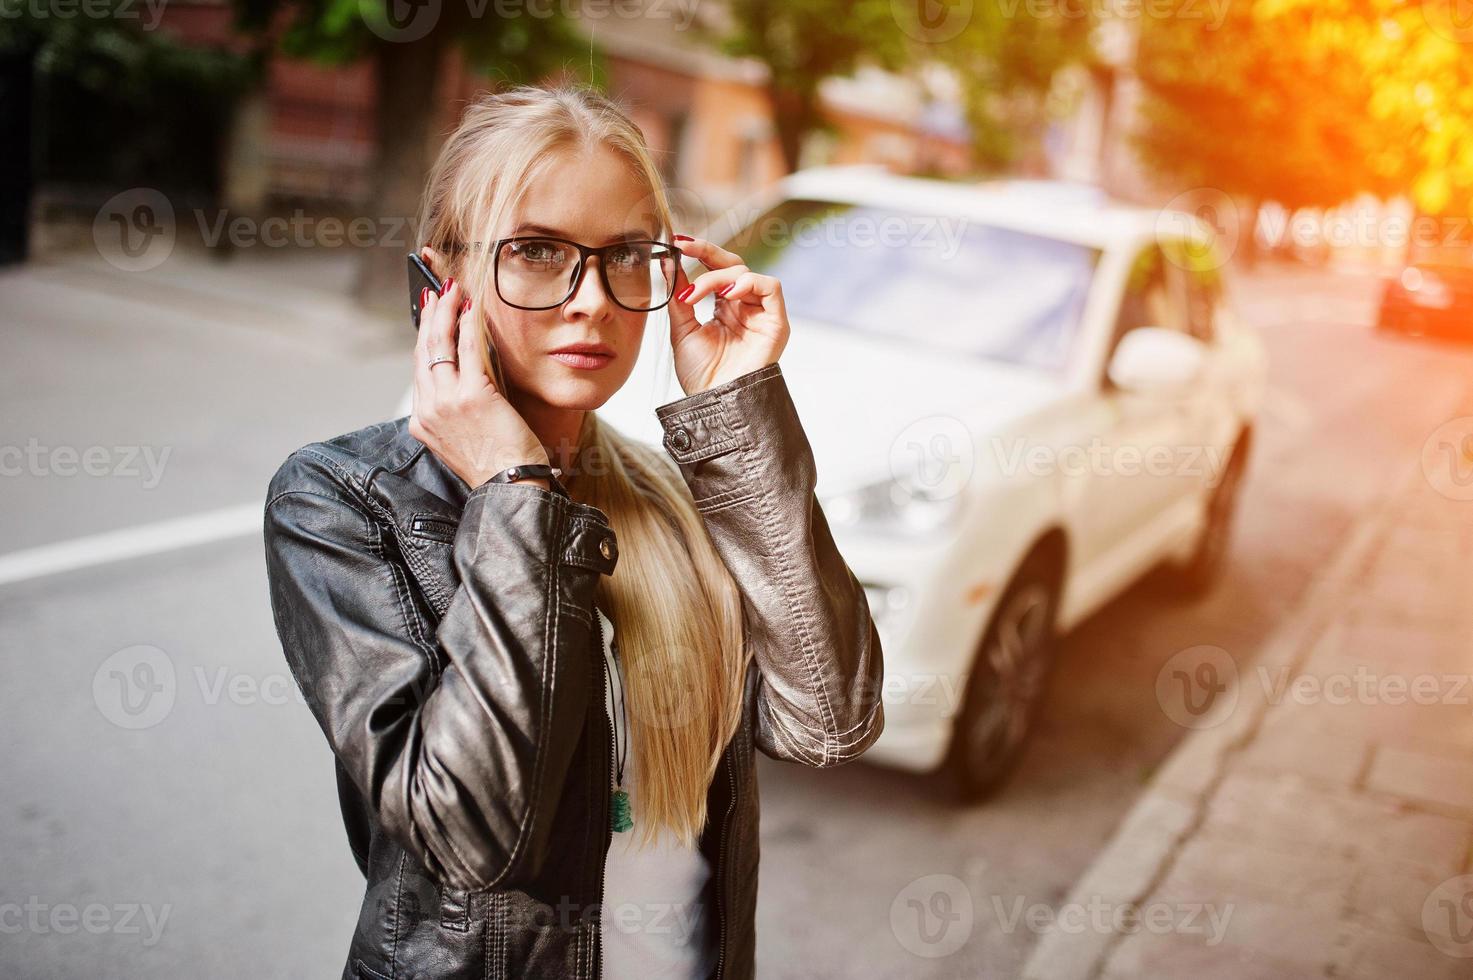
{"points": [[584, 356]]}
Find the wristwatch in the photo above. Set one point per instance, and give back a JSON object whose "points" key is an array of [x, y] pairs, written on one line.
{"points": [[526, 471]]}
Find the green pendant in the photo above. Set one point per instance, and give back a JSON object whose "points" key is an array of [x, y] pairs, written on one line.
{"points": [[619, 811]]}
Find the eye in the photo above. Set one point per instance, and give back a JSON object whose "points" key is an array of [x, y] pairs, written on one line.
{"points": [[629, 255], [540, 253]]}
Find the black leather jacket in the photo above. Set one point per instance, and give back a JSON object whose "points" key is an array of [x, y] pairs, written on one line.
{"points": [[446, 642]]}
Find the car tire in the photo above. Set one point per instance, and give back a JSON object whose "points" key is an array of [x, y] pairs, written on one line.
{"points": [[1006, 683], [1201, 572]]}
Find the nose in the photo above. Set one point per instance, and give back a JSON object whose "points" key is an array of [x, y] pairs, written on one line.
{"points": [[589, 297]]}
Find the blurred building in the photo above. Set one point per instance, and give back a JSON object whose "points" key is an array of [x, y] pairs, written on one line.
{"points": [[308, 136]]}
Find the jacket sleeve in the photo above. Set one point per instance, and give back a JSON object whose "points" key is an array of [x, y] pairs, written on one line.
{"points": [[747, 461], [459, 739]]}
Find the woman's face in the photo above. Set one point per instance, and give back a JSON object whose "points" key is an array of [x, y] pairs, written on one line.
{"points": [[588, 195]]}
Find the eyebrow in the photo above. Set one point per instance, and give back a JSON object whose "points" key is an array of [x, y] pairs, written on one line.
{"points": [[633, 234]]}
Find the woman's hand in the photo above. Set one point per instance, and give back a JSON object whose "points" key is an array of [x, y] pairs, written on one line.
{"points": [[750, 328], [457, 411]]}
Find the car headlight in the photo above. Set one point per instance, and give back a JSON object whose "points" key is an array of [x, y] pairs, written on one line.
{"points": [[1425, 289], [892, 505]]}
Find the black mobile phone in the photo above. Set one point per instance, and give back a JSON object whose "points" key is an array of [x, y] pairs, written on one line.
{"points": [[420, 276]]}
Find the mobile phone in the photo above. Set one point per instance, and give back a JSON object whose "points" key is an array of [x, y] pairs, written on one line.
{"points": [[420, 276]]}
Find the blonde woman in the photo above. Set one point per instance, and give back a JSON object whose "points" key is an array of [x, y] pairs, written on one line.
{"points": [[543, 653]]}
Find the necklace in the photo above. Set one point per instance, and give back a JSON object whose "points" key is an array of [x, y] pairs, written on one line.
{"points": [[620, 812]]}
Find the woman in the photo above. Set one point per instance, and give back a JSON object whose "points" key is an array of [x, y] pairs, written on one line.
{"points": [[521, 805]]}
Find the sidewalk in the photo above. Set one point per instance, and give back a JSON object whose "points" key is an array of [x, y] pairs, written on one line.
{"points": [[1318, 820]]}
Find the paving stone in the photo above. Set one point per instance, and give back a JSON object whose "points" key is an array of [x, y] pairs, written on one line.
{"points": [[1412, 775], [1320, 756], [1390, 895], [1252, 936], [1375, 955], [1287, 812], [1212, 866]]}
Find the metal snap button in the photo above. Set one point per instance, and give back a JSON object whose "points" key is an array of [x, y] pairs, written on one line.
{"points": [[680, 439], [606, 547]]}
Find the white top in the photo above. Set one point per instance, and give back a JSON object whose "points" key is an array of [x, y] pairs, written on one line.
{"points": [[655, 926]]}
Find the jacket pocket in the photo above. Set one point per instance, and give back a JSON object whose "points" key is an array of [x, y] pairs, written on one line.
{"points": [[365, 972]]}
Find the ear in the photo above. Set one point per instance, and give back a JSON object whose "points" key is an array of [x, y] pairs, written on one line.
{"points": [[434, 261]]}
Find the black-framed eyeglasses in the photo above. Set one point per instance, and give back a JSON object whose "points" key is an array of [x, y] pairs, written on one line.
{"points": [[536, 272]]}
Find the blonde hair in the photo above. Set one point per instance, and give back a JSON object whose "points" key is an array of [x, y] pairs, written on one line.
{"points": [[676, 609]]}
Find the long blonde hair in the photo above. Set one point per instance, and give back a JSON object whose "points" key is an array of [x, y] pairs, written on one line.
{"points": [[677, 612]]}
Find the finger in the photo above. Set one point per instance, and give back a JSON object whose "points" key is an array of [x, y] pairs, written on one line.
{"points": [[754, 288], [422, 376], [472, 370], [711, 255], [442, 333], [710, 282]]}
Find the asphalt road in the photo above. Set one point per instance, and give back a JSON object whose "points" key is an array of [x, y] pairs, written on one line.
{"points": [[204, 840]]}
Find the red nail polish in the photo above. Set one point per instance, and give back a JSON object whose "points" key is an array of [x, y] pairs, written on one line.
{"points": [[448, 283], [466, 305], [424, 296], [725, 289], [684, 238], [685, 293]]}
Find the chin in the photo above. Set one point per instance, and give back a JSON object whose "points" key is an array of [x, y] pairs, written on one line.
{"points": [[583, 390]]}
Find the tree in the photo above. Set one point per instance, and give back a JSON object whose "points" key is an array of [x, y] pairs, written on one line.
{"points": [[408, 43], [1311, 102], [1005, 54]]}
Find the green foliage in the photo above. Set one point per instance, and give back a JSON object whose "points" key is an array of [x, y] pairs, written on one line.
{"points": [[106, 81]]}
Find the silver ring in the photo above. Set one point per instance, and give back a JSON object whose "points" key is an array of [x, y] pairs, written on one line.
{"points": [[440, 359]]}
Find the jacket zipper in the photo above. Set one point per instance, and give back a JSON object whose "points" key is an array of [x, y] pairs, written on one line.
{"points": [[598, 934], [721, 910]]}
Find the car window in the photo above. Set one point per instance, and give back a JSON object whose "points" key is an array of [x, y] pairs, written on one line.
{"points": [[1153, 297], [942, 282]]}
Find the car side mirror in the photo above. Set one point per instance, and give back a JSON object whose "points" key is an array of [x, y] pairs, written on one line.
{"points": [[1155, 360]]}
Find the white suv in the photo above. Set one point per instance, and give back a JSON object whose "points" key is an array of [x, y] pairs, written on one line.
{"points": [[1020, 398]]}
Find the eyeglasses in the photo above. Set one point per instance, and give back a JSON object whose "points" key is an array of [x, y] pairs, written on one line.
{"points": [[541, 273]]}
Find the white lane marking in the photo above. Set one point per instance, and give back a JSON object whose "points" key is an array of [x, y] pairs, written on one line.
{"points": [[132, 542]]}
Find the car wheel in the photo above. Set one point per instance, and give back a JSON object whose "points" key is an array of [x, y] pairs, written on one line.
{"points": [[1204, 568], [1006, 683]]}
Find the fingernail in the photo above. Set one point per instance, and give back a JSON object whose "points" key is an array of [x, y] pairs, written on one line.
{"points": [[684, 238], [684, 293], [725, 289], [448, 283], [466, 305], [424, 295]]}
